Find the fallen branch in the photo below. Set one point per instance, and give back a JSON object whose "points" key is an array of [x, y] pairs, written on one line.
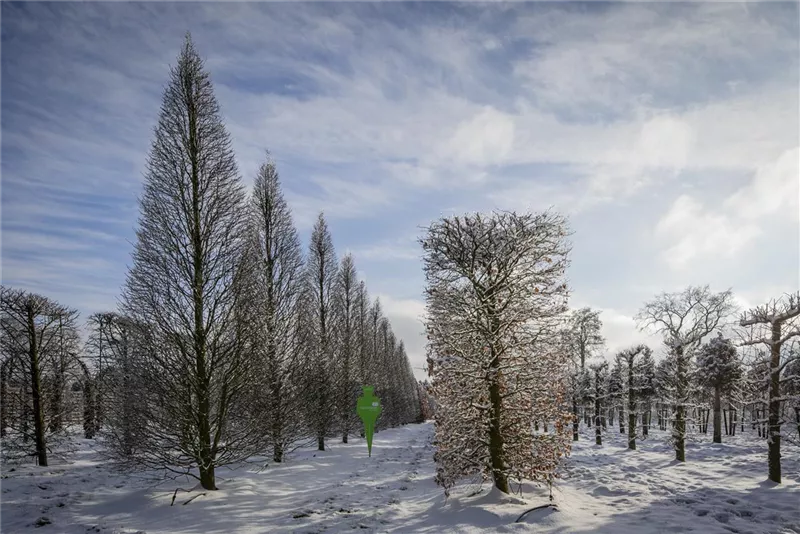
{"points": [[526, 512], [193, 498], [181, 489]]}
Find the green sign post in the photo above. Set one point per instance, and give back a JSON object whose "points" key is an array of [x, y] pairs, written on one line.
{"points": [[368, 408]]}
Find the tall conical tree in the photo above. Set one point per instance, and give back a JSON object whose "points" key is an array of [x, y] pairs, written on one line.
{"points": [[347, 391], [278, 270], [183, 282], [321, 270]]}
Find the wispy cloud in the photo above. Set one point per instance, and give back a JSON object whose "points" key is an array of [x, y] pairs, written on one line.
{"points": [[668, 132]]}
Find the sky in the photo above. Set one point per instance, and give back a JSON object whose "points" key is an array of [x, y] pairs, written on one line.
{"points": [[667, 133]]}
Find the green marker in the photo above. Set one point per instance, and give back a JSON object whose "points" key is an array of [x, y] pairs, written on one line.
{"points": [[369, 408]]}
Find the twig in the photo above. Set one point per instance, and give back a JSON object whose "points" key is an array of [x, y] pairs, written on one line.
{"points": [[193, 498]]}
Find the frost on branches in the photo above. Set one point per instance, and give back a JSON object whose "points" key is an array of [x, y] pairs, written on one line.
{"points": [[495, 298]]}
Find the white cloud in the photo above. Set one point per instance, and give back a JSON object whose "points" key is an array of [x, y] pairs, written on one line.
{"points": [[375, 111], [485, 139], [694, 231]]}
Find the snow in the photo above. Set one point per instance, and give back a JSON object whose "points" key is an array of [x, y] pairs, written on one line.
{"points": [[720, 489]]}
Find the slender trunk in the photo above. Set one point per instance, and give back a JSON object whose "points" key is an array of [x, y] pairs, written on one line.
{"points": [[496, 452], [36, 395], [575, 421], [320, 443], [631, 408], [774, 443], [598, 436], [646, 419], [717, 415], [679, 431], [3, 399]]}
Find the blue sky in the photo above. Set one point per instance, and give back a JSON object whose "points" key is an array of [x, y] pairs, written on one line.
{"points": [[668, 133]]}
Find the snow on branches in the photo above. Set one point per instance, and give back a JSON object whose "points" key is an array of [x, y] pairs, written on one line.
{"points": [[495, 299]]}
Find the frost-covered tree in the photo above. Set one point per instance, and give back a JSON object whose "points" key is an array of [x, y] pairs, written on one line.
{"points": [[635, 382], [277, 269], [685, 318], [774, 325], [182, 284], [615, 388], [647, 386], [597, 394], [321, 274], [583, 340], [495, 298], [718, 368], [33, 329]]}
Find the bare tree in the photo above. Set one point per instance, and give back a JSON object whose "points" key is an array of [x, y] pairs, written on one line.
{"points": [[321, 273], [345, 301], [33, 329], [773, 325], [685, 318], [183, 282], [495, 294], [598, 395], [278, 269]]}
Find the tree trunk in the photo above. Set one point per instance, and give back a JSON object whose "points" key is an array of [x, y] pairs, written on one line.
{"points": [[207, 478], [598, 436], [320, 443], [679, 431], [774, 443], [646, 419], [717, 415], [575, 421], [36, 393], [3, 399], [496, 452], [88, 410]]}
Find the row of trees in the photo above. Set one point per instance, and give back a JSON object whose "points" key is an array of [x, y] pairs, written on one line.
{"points": [[228, 342], [691, 380]]}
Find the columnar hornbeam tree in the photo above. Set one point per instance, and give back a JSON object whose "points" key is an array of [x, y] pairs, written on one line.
{"points": [[183, 283], [495, 299], [583, 340], [277, 269], [719, 368], [773, 325], [685, 318], [321, 273], [346, 390], [634, 383]]}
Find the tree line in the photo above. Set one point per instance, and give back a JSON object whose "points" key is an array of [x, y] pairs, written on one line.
{"points": [[751, 379], [228, 341]]}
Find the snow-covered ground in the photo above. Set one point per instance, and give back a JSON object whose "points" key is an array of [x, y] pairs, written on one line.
{"points": [[607, 489]]}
